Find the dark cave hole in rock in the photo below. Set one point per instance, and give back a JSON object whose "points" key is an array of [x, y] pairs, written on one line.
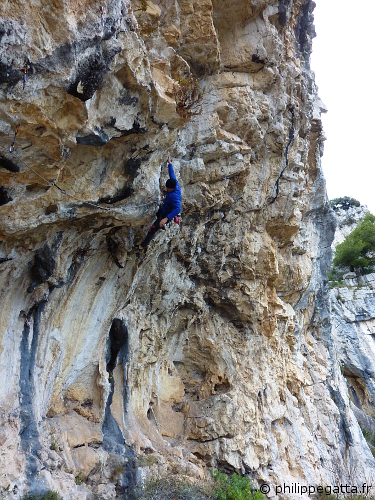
{"points": [[117, 349], [132, 166], [9, 165], [4, 196], [120, 195], [177, 407], [42, 267], [118, 341], [52, 209], [222, 386], [147, 451]]}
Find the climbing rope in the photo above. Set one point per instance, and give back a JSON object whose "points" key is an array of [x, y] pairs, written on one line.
{"points": [[100, 461], [156, 420], [64, 192]]}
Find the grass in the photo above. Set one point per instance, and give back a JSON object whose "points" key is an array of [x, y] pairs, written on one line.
{"points": [[146, 460], [326, 496]]}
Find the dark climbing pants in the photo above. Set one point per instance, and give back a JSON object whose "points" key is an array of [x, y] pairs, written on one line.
{"points": [[155, 227]]}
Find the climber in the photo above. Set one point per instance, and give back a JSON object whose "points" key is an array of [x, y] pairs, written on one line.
{"points": [[170, 208]]}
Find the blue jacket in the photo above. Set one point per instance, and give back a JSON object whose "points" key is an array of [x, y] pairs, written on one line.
{"points": [[172, 203]]}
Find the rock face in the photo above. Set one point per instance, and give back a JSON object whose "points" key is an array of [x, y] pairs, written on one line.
{"points": [[353, 308], [215, 348], [353, 322]]}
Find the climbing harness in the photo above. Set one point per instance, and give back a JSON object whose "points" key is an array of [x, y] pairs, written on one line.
{"points": [[11, 149], [101, 10]]}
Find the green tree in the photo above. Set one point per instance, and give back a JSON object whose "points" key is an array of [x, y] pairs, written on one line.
{"points": [[344, 203], [358, 248]]}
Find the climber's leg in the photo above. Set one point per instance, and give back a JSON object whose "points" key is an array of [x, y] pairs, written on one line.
{"points": [[151, 233]]}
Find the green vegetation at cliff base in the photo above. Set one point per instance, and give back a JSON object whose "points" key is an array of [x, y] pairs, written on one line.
{"points": [[50, 495], [223, 487]]}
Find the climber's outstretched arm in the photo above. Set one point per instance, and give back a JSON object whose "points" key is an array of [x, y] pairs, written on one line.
{"points": [[171, 171]]}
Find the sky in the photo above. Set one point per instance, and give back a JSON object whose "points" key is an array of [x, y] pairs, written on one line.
{"points": [[343, 61]]}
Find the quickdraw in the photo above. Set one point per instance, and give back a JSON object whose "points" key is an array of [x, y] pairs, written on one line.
{"points": [[101, 10], [11, 149], [25, 72]]}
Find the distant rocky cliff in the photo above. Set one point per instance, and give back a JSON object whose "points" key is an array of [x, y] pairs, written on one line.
{"points": [[353, 321], [214, 349], [347, 221]]}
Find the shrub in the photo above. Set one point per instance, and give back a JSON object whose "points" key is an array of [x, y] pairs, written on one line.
{"points": [[188, 97], [50, 495], [335, 276], [171, 488], [358, 248], [370, 438], [80, 478], [235, 487], [344, 203], [146, 460]]}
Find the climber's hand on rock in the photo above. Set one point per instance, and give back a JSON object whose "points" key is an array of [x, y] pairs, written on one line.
{"points": [[169, 160], [163, 222]]}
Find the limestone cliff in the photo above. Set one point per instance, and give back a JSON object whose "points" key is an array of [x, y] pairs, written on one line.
{"points": [[215, 348], [353, 315], [353, 322]]}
